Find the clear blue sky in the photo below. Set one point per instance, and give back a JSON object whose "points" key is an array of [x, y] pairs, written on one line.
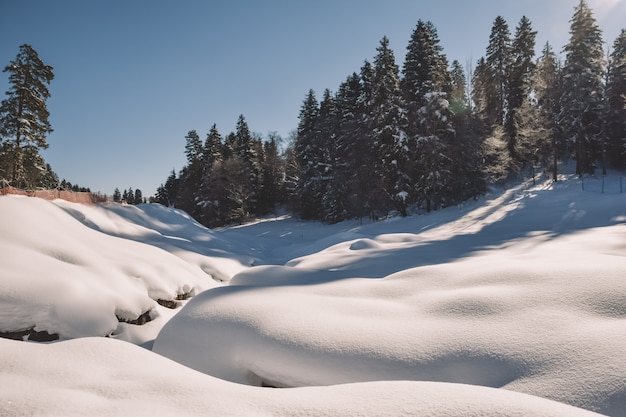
{"points": [[133, 77]]}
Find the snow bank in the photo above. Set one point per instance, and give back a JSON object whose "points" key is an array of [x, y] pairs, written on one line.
{"points": [[104, 377], [512, 305], [70, 280], [525, 292]]}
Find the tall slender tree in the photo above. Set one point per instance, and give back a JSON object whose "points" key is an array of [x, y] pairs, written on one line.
{"points": [[24, 117], [582, 98], [547, 91], [616, 102], [519, 78], [498, 59], [388, 127]]}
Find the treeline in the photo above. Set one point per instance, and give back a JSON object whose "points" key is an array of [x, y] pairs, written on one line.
{"points": [[422, 137], [129, 196], [227, 179]]}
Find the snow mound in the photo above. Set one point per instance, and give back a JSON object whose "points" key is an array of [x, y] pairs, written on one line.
{"points": [[104, 377], [524, 292], [64, 278]]}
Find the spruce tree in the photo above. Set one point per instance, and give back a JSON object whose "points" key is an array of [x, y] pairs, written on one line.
{"points": [[546, 86], [616, 103], [459, 102], [582, 98], [520, 75], [388, 128], [498, 59], [309, 157], [24, 117]]}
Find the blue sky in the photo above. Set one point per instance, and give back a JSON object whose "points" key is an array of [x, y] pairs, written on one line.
{"points": [[133, 77]]}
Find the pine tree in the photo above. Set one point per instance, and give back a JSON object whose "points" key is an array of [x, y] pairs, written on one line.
{"points": [[388, 124], [519, 80], [547, 91], [582, 98], [616, 103], [117, 195], [351, 150], [309, 155], [246, 151], [24, 117], [425, 67], [498, 59], [272, 170], [138, 197], [459, 102]]}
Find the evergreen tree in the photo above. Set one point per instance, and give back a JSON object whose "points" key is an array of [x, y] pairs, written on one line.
{"points": [[190, 178], [138, 197], [351, 151], [616, 103], [459, 102], [519, 80], [482, 90], [117, 195], [388, 124], [582, 98], [212, 150], [166, 193], [498, 59], [310, 158], [425, 67], [547, 91], [271, 175], [24, 118], [246, 150]]}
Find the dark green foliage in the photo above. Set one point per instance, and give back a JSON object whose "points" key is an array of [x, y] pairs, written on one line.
{"points": [[582, 99], [24, 120], [616, 103], [519, 113]]}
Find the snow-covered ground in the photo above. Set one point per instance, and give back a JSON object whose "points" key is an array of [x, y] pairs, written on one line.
{"points": [[514, 304]]}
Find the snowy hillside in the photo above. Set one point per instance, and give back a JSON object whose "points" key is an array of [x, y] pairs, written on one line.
{"points": [[511, 305]]}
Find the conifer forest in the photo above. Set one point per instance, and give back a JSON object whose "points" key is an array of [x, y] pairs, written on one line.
{"points": [[389, 139]]}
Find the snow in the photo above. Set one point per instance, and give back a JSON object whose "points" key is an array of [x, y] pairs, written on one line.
{"points": [[514, 304]]}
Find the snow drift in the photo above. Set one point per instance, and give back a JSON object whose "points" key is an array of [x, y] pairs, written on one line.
{"points": [[511, 305]]}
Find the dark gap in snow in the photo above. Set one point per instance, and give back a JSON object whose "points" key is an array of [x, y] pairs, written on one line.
{"points": [[31, 335], [168, 303], [185, 295], [139, 321]]}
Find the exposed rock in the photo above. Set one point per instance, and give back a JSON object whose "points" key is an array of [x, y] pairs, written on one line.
{"points": [[139, 321], [31, 335]]}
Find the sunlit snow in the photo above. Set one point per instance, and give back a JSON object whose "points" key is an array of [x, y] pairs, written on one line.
{"points": [[514, 304]]}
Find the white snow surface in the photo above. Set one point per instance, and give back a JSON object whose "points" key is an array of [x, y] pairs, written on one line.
{"points": [[514, 305]]}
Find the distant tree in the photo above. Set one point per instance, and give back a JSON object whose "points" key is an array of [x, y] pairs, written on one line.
{"points": [[459, 101], [166, 193], [582, 98], [24, 118], [138, 197], [117, 195]]}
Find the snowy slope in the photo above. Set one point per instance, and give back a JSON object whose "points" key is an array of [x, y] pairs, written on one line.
{"points": [[510, 305]]}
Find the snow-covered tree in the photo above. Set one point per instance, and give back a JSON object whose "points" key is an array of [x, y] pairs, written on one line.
{"points": [[388, 127]]}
